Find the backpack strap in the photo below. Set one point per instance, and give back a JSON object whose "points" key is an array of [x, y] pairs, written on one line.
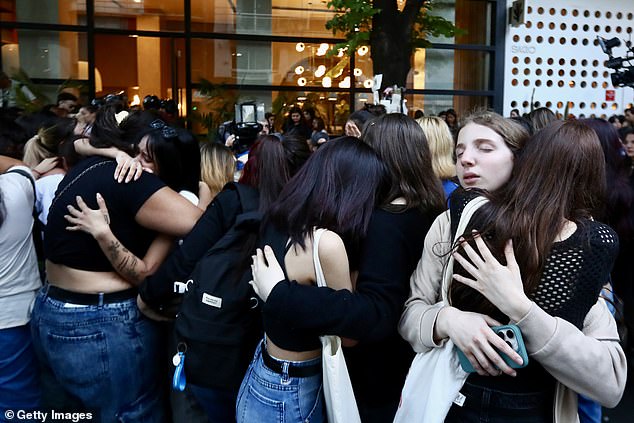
{"points": [[28, 176]]}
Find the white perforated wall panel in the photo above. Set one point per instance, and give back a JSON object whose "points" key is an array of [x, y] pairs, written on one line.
{"points": [[556, 54]]}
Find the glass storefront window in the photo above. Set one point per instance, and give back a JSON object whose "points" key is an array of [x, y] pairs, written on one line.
{"points": [[475, 17], [261, 17], [140, 15], [268, 63], [435, 69], [212, 110], [434, 104], [142, 66], [65, 12], [45, 54]]}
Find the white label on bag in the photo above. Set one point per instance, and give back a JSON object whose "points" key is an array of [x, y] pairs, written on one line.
{"points": [[459, 401], [210, 300]]}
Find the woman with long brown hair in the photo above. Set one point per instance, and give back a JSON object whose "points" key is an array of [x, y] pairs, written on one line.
{"points": [[541, 214]]}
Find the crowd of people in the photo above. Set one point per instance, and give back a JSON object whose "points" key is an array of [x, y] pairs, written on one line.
{"points": [[428, 233]]}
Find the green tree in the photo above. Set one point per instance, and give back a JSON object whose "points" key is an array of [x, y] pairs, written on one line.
{"points": [[392, 33]]}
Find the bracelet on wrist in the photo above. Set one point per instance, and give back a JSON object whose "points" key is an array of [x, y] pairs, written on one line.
{"points": [[37, 172]]}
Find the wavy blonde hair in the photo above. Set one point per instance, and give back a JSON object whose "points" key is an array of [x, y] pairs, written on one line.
{"points": [[47, 141], [441, 145], [217, 165]]}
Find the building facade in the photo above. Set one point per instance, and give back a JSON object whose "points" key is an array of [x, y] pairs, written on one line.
{"points": [[208, 55]]}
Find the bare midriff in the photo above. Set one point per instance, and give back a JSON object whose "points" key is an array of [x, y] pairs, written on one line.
{"points": [[282, 354], [84, 281]]}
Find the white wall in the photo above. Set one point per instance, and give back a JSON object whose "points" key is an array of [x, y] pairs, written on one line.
{"points": [[570, 61]]}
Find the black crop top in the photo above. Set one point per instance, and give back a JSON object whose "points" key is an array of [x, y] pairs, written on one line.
{"points": [[79, 250], [282, 335]]}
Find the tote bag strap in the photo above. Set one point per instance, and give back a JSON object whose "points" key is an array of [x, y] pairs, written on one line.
{"points": [[465, 217], [319, 273]]}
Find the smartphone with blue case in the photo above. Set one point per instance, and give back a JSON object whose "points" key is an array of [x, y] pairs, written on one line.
{"points": [[512, 335]]}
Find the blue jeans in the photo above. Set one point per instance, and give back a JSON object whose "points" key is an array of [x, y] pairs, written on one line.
{"points": [[267, 396], [484, 405], [19, 378], [106, 355]]}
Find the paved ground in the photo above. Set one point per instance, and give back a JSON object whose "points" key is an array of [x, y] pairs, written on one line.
{"points": [[624, 412]]}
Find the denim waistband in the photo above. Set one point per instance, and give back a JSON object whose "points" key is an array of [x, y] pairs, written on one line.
{"points": [[294, 369], [90, 299]]}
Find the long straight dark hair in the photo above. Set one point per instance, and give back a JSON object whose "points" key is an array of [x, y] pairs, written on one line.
{"points": [[401, 143], [336, 189], [559, 175]]}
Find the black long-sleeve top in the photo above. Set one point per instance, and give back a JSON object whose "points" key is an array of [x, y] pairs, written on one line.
{"points": [[158, 289], [379, 363]]}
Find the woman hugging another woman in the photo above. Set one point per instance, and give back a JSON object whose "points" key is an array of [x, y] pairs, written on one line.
{"points": [[336, 190], [542, 198]]}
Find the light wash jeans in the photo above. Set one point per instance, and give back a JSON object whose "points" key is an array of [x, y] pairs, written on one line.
{"points": [[107, 356], [267, 396]]}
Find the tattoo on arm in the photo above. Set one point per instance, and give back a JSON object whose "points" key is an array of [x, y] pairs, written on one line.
{"points": [[124, 261]]}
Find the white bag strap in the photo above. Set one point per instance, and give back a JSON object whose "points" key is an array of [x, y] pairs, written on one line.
{"points": [[319, 273], [465, 217]]}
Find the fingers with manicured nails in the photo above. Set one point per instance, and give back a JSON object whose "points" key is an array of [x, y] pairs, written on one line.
{"points": [[73, 211], [82, 205], [139, 171], [270, 255], [122, 170], [495, 358], [131, 171], [101, 203], [259, 259], [74, 221], [503, 347]]}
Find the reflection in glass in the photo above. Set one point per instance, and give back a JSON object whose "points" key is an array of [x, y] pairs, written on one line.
{"points": [[436, 69], [268, 63], [65, 12], [261, 17], [141, 15], [43, 54]]}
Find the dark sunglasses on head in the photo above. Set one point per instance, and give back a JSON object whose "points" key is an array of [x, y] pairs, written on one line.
{"points": [[166, 130]]}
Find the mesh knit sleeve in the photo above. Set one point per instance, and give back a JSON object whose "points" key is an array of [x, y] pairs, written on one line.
{"points": [[576, 270]]}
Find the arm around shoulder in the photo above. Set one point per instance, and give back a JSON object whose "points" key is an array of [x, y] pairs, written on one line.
{"points": [[169, 213], [424, 303]]}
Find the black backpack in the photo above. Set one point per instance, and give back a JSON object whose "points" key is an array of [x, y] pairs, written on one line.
{"points": [[219, 322]]}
